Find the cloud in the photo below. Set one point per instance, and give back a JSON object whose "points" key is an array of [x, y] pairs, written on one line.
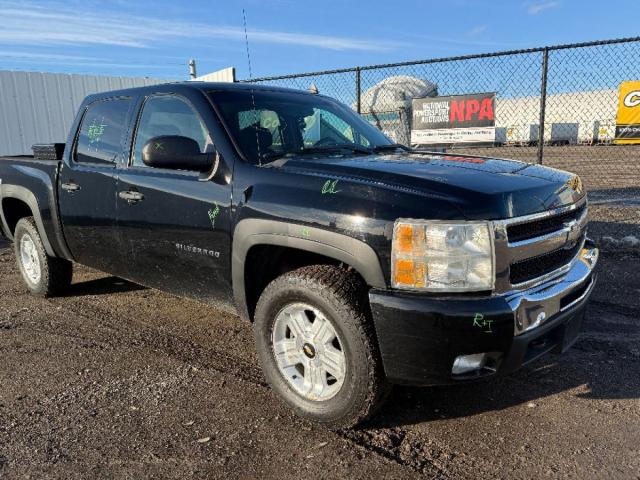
{"points": [[30, 24], [28, 56], [478, 30], [19, 57], [537, 7]]}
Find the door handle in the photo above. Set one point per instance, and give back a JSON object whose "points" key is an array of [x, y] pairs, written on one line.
{"points": [[131, 197], [70, 187]]}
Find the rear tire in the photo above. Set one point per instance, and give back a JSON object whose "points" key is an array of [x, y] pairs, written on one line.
{"points": [[45, 276], [327, 367]]}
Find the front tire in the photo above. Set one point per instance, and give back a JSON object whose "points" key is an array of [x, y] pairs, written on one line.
{"points": [[317, 345], [45, 276]]}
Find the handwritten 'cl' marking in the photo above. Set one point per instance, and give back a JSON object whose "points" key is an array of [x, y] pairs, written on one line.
{"points": [[330, 187]]}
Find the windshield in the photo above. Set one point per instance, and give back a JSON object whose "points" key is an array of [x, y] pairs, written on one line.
{"points": [[274, 124]]}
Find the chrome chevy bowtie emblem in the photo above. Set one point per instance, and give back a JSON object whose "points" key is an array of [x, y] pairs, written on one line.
{"points": [[572, 226], [573, 230]]}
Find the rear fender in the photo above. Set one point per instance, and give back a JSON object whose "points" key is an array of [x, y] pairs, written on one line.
{"points": [[24, 195]]}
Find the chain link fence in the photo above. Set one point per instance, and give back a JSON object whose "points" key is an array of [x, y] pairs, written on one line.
{"points": [[556, 106]]}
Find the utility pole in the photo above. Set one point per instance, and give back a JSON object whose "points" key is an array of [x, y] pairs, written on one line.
{"points": [[192, 69]]}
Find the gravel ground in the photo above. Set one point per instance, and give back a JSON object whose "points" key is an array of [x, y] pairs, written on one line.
{"points": [[118, 381]]}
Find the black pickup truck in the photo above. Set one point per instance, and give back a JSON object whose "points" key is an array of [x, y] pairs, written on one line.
{"points": [[361, 263]]}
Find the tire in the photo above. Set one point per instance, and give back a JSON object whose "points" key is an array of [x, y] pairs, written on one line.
{"points": [[45, 276], [353, 385]]}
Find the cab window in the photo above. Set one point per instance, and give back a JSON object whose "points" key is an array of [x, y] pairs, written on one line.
{"points": [[101, 133], [169, 115]]}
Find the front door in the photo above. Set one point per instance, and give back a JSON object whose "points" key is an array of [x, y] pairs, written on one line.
{"points": [[175, 228], [88, 184]]}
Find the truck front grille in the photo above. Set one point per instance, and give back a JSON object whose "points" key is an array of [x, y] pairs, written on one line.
{"points": [[532, 268], [544, 226], [538, 247]]}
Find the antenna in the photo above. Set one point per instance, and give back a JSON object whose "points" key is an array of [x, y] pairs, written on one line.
{"points": [[246, 42], [253, 99]]}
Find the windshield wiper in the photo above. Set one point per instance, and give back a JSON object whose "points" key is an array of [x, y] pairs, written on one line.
{"points": [[333, 148], [271, 156], [391, 146]]}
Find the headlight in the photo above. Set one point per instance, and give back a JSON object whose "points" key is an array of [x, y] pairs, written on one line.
{"points": [[442, 256]]}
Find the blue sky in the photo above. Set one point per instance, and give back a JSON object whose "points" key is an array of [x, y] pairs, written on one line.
{"points": [[156, 38]]}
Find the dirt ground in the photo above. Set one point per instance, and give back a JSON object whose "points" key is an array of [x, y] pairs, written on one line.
{"points": [[118, 381]]}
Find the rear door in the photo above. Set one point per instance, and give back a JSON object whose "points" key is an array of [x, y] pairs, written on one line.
{"points": [[175, 228], [88, 185]]}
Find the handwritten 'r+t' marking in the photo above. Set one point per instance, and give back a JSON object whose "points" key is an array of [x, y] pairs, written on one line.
{"points": [[480, 322]]}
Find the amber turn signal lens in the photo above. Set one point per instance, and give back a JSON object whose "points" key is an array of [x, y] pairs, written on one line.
{"points": [[404, 272], [410, 273], [404, 238]]}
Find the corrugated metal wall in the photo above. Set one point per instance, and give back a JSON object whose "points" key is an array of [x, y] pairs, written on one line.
{"points": [[40, 107]]}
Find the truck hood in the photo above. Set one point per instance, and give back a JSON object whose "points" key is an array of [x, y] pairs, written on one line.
{"points": [[478, 187]]}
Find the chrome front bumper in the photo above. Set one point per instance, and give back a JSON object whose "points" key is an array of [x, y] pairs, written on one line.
{"points": [[539, 304]]}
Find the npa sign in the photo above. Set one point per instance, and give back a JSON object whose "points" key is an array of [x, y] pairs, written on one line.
{"points": [[628, 121], [455, 119]]}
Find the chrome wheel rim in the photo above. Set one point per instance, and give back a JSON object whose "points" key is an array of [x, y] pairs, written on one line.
{"points": [[30, 259], [308, 352]]}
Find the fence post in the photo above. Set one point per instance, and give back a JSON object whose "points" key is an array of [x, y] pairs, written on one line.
{"points": [[358, 108], [543, 103]]}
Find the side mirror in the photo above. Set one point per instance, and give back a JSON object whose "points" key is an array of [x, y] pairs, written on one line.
{"points": [[218, 172], [175, 152]]}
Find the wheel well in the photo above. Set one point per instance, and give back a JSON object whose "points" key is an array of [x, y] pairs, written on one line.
{"points": [[265, 263], [14, 210]]}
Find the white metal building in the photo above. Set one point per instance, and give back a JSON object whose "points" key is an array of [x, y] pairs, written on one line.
{"points": [[578, 117], [40, 107]]}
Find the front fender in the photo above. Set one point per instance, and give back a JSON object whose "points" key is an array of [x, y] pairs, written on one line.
{"points": [[251, 232]]}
